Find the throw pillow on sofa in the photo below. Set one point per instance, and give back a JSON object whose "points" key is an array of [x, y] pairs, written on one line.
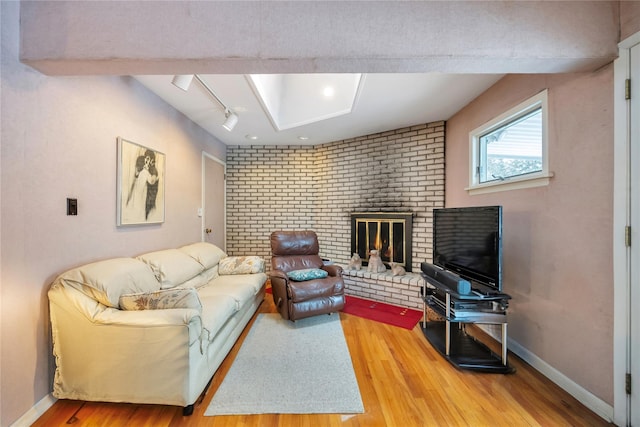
{"points": [[163, 299], [241, 265], [307, 274]]}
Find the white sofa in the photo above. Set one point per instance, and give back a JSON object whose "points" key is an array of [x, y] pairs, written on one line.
{"points": [[150, 329]]}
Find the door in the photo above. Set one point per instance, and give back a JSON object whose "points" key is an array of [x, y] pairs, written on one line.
{"points": [[213, 201]]}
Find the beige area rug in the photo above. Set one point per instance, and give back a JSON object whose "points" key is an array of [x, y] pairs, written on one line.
{"points": [[290, 368]]}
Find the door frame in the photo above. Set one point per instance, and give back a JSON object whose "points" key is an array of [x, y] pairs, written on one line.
{"points": [[208, 156], [622, 217]]}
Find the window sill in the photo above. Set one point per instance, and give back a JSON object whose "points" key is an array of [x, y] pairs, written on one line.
{"points": [[510, 184]]}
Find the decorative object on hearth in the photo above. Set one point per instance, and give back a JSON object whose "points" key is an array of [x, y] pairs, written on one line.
{"points": [[355, 263], [375, 262], [397, 269]]}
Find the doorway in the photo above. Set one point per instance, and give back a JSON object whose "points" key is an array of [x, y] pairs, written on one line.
{"points": [[626, 238], [214, 224]]}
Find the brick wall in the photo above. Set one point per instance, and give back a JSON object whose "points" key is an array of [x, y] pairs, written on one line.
{"points": [[317, 187], [397, 290]]}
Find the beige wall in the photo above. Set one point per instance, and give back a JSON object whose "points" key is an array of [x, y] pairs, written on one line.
{"points": [[629, 18], [557, 239], [59, 141]]}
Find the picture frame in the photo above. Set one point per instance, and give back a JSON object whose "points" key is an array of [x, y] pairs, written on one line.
{"points": [[141, 183]]}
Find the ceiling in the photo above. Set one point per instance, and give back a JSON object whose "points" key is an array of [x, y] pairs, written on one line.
{"points": [[382, 102]]}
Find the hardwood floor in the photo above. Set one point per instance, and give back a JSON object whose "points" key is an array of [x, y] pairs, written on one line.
{"points": [[403, 382]]}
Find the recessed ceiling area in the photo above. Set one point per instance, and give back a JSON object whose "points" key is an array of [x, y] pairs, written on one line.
{"points": [[382, 101]]}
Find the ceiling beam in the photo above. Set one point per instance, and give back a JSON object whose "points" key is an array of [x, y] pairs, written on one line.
{"points": [[212, 37]]}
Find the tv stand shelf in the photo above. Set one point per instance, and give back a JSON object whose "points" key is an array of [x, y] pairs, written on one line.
{"points": [[450, 337]]}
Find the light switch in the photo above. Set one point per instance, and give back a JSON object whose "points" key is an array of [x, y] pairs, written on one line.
{"points": [[72, 206]]}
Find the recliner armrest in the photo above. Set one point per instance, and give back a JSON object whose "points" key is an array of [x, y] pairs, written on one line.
{"points": [[278, 274], [333, 270], [279, 284]]}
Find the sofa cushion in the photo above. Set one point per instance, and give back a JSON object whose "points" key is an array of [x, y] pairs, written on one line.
{"points": [[194, 282], [216, 311], [210, 274], [242, 290], [172, 266], [256, 281], [162, 299], [106, 280], [241, 265], [307, 274], [207, 254]]}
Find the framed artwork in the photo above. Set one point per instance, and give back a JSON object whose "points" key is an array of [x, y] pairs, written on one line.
{"points": [[140, 173]]}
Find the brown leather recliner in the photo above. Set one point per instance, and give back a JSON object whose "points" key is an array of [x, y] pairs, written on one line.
{"points": [[298, 250]]}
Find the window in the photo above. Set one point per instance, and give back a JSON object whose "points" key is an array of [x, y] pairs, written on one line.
{"points": [[510, 151]]}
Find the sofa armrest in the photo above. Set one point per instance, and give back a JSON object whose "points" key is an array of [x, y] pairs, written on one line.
{"points": [[95, 312], [128, 356], [150, 318], [68, 303]]}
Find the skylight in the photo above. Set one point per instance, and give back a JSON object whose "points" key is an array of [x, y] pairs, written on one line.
{"points": [[292, 100]]}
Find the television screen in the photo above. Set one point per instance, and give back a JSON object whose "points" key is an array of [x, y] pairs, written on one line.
{"points": [[468, 242]]}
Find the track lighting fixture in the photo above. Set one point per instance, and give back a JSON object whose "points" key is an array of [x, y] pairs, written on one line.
{"points": [[231, 120], [183, 81]]}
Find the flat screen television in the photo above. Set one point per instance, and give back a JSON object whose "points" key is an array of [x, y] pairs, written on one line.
{"points": [[468, 242]]}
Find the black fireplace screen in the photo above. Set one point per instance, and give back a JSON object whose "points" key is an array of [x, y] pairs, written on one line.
{"points": [[388, 233]]}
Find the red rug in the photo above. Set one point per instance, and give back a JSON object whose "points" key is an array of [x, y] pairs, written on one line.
{"points": [[402, 317]]}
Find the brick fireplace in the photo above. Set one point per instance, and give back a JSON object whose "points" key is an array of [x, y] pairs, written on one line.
{"points": [[319, 187]]}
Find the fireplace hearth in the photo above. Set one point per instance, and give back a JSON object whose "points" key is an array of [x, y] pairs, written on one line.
{"points": [[387, 232]]}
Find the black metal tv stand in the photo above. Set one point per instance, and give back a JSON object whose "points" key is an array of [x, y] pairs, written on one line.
{"points": [[450, 337]]}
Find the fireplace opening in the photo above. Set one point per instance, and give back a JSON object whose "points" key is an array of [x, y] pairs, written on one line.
{"points": [[387, 232]]}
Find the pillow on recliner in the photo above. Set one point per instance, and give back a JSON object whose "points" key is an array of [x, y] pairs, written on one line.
{"points": [[307, 274]]}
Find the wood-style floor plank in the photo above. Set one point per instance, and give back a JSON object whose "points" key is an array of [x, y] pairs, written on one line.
{"points": [[403, 382]]}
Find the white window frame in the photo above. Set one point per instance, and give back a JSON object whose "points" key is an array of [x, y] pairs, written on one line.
{"points": [[535, 179]]}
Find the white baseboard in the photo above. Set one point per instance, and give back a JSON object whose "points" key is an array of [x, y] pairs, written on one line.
{"points": [[32, 415], [581, 394]]}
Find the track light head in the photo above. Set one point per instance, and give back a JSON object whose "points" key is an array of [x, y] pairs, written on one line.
{"points": [[182, 81], [231, 120]]}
